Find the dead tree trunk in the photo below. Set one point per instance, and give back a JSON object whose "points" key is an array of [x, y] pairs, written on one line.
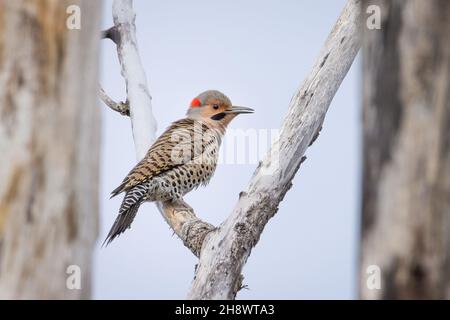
{"points": [[406, 188], [49, 142]]}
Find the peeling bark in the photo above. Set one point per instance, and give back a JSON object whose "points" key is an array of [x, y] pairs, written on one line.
{"points": [[49, 142]]}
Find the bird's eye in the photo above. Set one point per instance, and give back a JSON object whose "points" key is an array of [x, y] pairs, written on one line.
{"points": [[215, 106]]}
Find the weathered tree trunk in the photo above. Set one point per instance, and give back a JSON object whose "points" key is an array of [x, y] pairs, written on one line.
{"points": [[406, 188], [49, 146]]}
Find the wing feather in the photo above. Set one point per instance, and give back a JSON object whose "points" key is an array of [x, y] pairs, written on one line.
{"points": [[173, 148]]}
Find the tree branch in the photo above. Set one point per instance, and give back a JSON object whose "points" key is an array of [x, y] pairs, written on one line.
{"points": [[143, 122], [182, 219], [225, 250], [112, 34], [122, 107]]}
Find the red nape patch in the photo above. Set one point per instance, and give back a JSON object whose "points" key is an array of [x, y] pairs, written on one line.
{"points": [[196, 103]]}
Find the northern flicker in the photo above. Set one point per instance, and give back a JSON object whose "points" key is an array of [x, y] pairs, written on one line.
{"points": [[184, 157]]}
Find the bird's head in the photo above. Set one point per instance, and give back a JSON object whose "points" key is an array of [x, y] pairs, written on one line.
{"points": [[215, 108]]}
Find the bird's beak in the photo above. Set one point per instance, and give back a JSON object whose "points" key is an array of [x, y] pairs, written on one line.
{"points": [[238, 110]]}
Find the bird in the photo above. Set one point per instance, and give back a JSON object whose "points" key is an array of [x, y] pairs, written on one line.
{"points": [[184, 157]]}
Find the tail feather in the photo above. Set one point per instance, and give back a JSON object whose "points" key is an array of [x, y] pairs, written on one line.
{"points": [[122, 223], [127, 212]]}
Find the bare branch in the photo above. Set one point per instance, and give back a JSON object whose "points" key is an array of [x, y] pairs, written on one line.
{"points": [[122, 107], [143, 121], [190, 229], [111, 34]]}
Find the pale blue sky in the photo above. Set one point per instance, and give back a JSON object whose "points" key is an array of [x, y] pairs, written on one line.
{"points": [[257, 52]]}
